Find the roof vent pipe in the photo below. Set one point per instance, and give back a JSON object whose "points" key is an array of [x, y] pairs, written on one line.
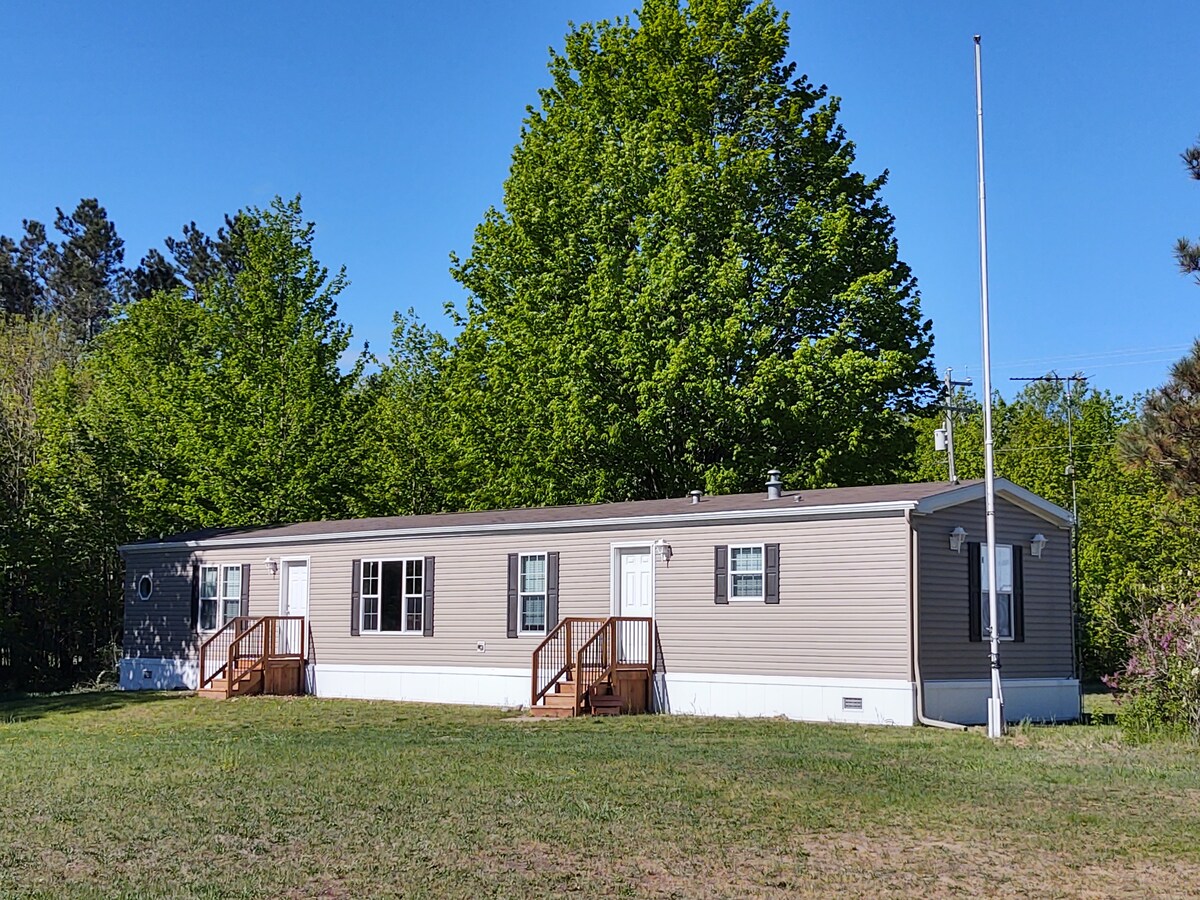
{"points": [[774, 485], [695, 495]]}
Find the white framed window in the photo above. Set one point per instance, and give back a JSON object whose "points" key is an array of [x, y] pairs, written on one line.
{"points": [[747, 572], [220, 595], [392, 593], [531, 594], [145, 587], [1004, 591]]}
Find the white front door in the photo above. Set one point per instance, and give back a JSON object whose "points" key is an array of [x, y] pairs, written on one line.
{"points": [[636, 598], [295, 603], [637, 583]]}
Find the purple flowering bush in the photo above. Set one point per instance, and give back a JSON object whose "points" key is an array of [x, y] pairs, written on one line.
{"points": [[1158, 689]]}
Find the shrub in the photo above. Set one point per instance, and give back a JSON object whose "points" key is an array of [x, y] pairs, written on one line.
{"points": [[1158, 690]]}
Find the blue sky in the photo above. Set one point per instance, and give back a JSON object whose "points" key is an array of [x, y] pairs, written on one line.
{"points": [[396, 122]]}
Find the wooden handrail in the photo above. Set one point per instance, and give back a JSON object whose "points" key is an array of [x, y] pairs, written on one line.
{"points": [[592, 656], [219, 637], [590, 672], [547, 658], [232, 673], [587, 676], [245, 630]]}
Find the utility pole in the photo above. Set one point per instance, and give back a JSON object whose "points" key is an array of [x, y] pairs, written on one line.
{"points": [[1068, 382], [951, 409]]}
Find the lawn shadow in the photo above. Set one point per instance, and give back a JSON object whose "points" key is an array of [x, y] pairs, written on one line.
{"points": [[25, 707]]}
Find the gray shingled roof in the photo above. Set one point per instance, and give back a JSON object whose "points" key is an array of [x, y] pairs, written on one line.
{"points": [[549, 515]]}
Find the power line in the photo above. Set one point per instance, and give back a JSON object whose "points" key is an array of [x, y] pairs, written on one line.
{"points": [[1068, 383], [1099, 355], [1054, 447]]}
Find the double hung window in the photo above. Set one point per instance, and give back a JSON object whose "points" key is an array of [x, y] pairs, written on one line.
{"points": [[746, 572], [1004, 591], [220, 595], [532, 593]]}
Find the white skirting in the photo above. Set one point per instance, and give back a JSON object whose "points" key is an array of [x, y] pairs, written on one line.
{"points": [[813, 699], [158, 674], [427, 684], [1036, 699], [869, 701], [860, 700]]}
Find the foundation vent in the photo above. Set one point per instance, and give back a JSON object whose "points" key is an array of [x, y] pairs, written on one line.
{"points": [[854, 703]]}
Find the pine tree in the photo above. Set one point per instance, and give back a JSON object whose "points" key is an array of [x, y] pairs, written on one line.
{"points": [[1188, 252], [85, 276]]}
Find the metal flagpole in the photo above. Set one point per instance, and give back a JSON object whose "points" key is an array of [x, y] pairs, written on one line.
{"points": [[996, 701]]}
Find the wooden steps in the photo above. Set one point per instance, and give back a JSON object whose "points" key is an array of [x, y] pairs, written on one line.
{"points": [[247, 655], [592, 665], [626, 692], [247, 680]]}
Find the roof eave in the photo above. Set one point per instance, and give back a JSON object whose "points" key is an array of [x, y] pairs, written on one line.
{"points": [[1013, 493], [668, 520]]}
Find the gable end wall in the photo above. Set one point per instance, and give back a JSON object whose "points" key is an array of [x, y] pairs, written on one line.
{"points": [[946, 651]]}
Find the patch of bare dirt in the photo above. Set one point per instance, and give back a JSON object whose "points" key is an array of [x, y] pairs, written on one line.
{"points": [[843, 865]]}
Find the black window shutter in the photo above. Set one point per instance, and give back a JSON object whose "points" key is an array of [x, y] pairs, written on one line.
{"points": [[974, 595], [355, 597], [1018, 596], [245, 610], [551, 591], [721, 573], [195, 596], [772, 573], [513, 562], [427, 618]]}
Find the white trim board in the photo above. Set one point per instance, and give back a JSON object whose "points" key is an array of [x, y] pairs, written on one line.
{"points": [[783, 511]]}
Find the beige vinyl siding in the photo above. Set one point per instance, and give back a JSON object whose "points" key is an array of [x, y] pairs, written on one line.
{"points": [[843, 603], [843, 608], [946, 650]]}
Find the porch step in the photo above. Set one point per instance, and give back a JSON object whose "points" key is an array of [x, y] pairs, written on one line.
{"points": [[607, 704], [214, 691], [248, 682], [562, 701]]}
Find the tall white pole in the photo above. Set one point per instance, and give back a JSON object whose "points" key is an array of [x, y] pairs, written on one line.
{"points": [[996, 701]]}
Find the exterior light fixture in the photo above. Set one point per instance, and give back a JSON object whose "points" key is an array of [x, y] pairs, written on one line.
{"points": [[272, 566], [957, 536], [662, 551], [1037, 544]]}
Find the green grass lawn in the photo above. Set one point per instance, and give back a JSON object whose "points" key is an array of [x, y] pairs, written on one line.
{"points": [[160, 795]]}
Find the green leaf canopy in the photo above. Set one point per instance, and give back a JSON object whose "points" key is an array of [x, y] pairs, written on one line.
{"points": [[688, 283]]}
